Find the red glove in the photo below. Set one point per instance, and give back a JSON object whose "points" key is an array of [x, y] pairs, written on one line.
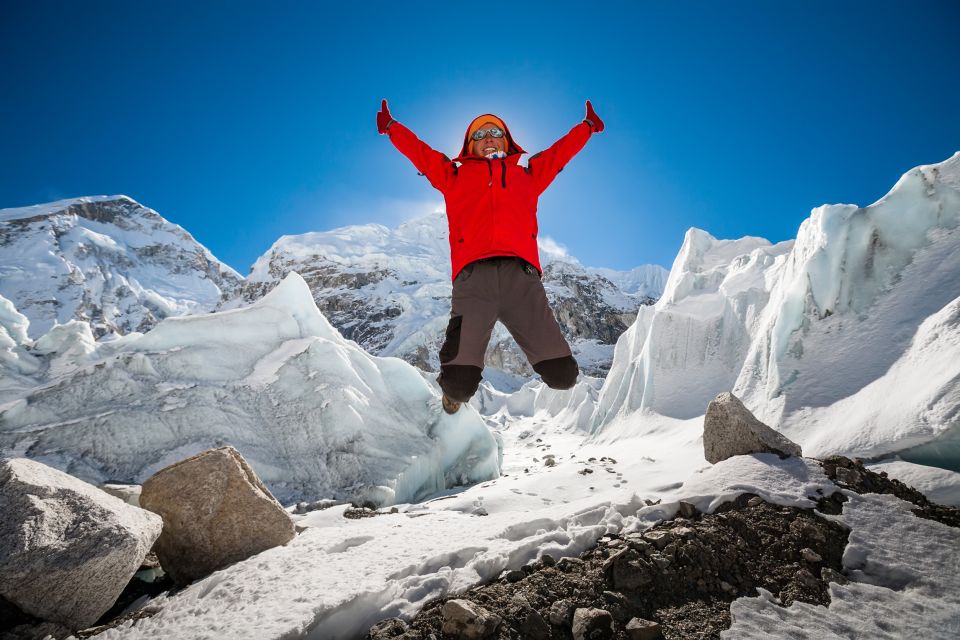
{"points": [[384, 119], [591, 118]]}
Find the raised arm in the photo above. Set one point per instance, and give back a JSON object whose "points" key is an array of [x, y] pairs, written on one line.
{"points": [[437, 167], [545, 166]]}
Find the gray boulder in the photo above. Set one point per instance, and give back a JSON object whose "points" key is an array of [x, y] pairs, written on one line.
{"points": [[729, 429], [67, 549], [215, 511]]}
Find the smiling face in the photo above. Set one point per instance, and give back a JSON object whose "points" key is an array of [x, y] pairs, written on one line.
{"points": [[488, 144]]}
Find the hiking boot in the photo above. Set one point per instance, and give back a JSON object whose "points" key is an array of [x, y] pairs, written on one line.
{"points": [[449, 405]]}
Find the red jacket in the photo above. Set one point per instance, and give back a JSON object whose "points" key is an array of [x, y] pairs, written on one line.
{"points": [[491, 204]]}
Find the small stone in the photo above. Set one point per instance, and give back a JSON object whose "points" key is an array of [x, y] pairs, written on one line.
{"points": [[726, 586], [687, 510], [849, 477], [548, 560], [533, 626], [388, 628], [658, 538], [661, 561], [754, 501], [394, 510], [807, 579], [592, 624], [810, 555], [569, 564], [615, 543], [640, 629], [830, 575], [549, 462], [629, 570], [515, 575], [560, 612], [465, 619], [684, 532], [585, 471]]}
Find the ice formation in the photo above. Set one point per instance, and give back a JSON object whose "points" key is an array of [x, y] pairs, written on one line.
{"points": [[314, 414], [845, 339]]}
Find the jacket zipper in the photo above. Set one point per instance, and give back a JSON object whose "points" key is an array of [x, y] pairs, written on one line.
{"points": [[493, 208]]}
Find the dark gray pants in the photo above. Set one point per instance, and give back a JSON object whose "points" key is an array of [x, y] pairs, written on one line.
{"points": [[509, 290]]}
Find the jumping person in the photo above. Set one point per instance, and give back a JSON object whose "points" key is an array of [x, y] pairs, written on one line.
{"points": [[491, 203]]}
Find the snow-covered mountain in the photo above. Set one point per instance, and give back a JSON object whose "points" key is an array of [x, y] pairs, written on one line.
{"points": [[314, 414], [106, 260], [846, 339], [389, 290]]}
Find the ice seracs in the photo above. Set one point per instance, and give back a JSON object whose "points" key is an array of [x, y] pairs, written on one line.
{"points": [[845, 339], [315, 415]]}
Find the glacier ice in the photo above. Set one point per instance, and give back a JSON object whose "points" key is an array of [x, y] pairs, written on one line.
{"points": [[844, 339], [314, 414]]}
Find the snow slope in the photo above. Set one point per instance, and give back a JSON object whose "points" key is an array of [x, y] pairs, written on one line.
{"points": [[107, 260], [314, 414]]}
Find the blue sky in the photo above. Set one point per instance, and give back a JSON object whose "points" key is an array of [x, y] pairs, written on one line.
{"points": [[243, 122]]}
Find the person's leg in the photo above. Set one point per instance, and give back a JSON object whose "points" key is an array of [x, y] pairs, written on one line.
{"points": [[526, 313], [472, 316]]}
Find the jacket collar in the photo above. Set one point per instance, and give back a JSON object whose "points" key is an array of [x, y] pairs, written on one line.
{"points": [[512, 158]]}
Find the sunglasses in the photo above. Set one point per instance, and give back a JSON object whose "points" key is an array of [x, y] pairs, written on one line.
{"points": [[480, 134]]}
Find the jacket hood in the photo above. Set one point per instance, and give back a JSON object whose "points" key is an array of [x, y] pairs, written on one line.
{"points": [[512, 146]]}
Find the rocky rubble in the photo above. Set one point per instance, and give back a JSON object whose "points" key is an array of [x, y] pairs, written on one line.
{"points": [[675, 580]]}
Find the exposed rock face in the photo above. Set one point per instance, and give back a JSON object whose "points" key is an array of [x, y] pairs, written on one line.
{"points": [[389, 290], [215, 511], [729, 429], [67, 549], [106, 260]]}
